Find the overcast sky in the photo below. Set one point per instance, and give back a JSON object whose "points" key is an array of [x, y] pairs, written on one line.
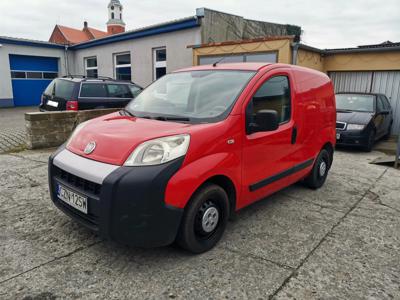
{"points": [[325, 24]]}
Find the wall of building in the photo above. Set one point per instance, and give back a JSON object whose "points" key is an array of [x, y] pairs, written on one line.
{"points": [[219, 27], [309, 59], [281, 46], [178, 56], [387, 60], [6, 93], [57, 37]]}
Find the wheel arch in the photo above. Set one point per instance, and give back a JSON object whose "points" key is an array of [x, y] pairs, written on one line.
{"points": [[229, 187], [329, 147]]}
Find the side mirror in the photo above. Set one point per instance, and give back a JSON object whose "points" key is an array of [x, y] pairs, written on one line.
{"points": [[264, 120]]}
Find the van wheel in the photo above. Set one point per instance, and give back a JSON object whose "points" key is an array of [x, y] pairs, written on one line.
{"points": [[204, 220], [319, 172]]}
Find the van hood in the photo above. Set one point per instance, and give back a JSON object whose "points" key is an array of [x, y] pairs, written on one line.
{"points": [[354, 117], [116, 136]]}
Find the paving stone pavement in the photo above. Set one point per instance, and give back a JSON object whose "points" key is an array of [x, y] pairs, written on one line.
{"points": [[12, 128], [339, 242], [12, 140]]}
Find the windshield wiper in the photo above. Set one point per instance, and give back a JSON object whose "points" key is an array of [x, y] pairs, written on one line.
{"points": [[162, 118], [343, 110], [126, 112]]}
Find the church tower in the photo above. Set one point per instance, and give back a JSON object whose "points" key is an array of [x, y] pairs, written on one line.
{"points": [[115, 23]]}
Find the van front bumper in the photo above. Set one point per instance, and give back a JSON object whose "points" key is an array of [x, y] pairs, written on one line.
{"points": [[125, 204]]}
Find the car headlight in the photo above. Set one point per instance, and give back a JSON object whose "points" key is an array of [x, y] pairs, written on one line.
{"points": [[159, 151], [355, 127], [76, 131]]}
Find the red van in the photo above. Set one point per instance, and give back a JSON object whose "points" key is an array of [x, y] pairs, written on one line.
{"points": [[193, 148]]}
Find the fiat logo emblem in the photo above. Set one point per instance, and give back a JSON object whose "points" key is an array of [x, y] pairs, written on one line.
{"points": [[90, 147]]}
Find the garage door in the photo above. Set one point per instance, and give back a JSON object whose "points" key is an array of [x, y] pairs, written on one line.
{"points": [[30, 75], [384, 82]]}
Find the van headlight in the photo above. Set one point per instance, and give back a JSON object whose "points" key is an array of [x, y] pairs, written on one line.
{"points": [[159, 151], [355, 127]]}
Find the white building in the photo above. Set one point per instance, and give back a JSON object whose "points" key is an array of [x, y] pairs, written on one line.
{"points": [[141, 55]]}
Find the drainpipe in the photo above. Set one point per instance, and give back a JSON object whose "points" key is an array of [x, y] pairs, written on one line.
{"points": [[295, 48], [66, 59]]}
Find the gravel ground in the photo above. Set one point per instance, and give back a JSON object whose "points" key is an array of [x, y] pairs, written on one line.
{"points": [[339, 242]]}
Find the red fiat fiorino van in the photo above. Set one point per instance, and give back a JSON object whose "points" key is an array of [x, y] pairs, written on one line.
{"points": [[193, 148]]}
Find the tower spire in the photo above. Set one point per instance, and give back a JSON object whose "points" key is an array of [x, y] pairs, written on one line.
{"points": [[115, 22]]}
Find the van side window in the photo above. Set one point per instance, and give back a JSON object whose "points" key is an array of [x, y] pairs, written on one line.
{"points": [[274, 94]]}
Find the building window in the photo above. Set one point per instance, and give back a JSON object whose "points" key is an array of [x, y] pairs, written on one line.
{"points": [[122, 63], [159, 62], [112, 15], [18, 75], [91, 67], [50, 75], [33, 75]]}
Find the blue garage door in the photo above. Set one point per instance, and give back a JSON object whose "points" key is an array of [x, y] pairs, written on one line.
{"points": [[30, 77]]}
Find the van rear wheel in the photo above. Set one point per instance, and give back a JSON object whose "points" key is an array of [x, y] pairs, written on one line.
{"points": [[205, 219], [319, 172]]}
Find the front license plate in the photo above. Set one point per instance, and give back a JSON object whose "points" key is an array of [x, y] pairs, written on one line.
{"points": [[338, 136], [71, 198]]}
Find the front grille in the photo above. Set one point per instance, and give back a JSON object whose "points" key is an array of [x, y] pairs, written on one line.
{"points": [[79, 183], [82, 186], [340, 125]]}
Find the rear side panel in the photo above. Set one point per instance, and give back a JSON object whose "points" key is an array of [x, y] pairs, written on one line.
{"points": [[316, 114]]}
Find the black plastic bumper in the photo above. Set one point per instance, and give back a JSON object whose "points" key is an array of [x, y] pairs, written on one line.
{"points": [[127, 207], [352, 138]]}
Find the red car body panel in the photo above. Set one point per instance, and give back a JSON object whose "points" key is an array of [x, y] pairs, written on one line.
{"points": [[224, 148]]}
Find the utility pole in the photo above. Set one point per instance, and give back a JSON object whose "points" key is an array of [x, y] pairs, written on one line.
{"points": [[396, 160]]}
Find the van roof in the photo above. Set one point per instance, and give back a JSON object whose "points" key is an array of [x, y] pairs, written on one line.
{"points": [[250, 66]]}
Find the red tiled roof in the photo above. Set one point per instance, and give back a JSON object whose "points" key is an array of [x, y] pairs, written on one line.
{"points": [[75, 36], [97, 33]]}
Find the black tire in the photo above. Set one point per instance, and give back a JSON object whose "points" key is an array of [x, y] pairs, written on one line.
{"points": [[192, 234], [320, 170], [389, 132], [370, 142]]}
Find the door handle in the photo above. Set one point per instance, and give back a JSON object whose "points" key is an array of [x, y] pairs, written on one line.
{"points": [[294, 135]]}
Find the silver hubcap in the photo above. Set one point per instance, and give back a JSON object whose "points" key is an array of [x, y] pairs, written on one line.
{"points": [[322, 169], [210, 219]]}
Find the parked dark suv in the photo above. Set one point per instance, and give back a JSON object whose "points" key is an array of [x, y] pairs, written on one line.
{"points": [[362, 119], [80, 93]]}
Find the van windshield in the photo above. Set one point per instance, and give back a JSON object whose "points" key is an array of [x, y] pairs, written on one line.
{"points": [[193, 96], [355, 102]]}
